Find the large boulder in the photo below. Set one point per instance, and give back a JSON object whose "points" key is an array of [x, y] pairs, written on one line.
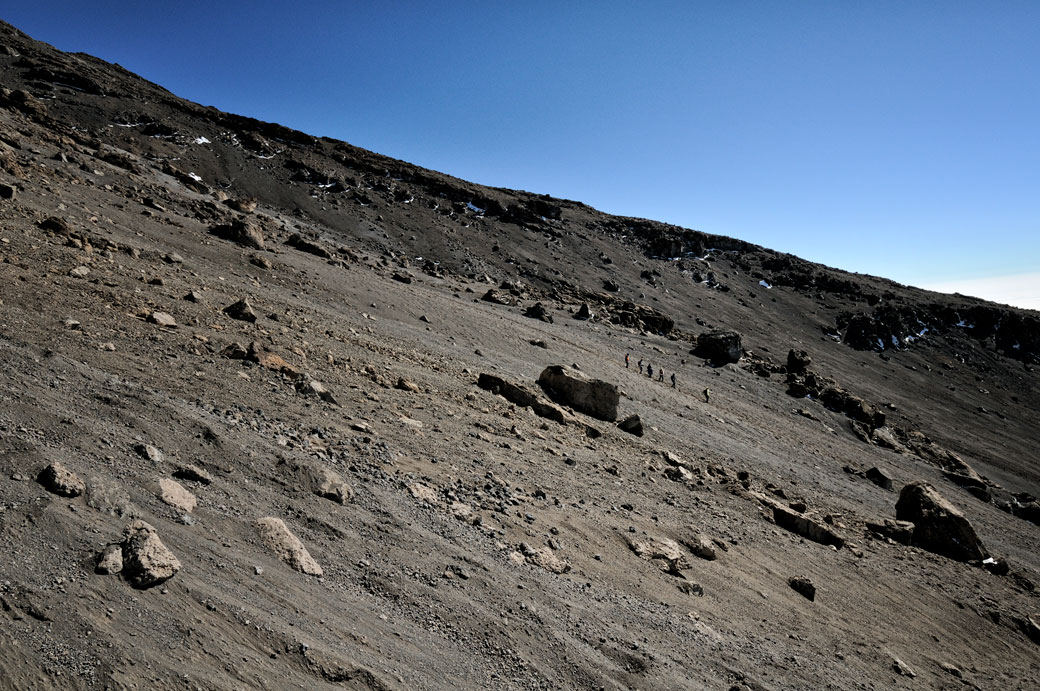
{"points": [[244, 233], [938, 525], [146, 560], [590, 396], [59, 480], [720, 347]]}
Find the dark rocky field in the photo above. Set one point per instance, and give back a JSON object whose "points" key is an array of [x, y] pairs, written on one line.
{"points": [[270, 417]]}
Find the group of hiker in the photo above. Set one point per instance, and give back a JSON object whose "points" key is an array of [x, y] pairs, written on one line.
{"points": [[660, 374]]}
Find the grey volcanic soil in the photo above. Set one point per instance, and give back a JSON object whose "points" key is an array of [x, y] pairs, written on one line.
{"points": [[464, 541]]}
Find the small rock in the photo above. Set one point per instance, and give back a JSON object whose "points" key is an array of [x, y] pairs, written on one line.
{"points": [[406, 385], [192, 473], [235, 351], [880, 478], [701, 546], [193, 296], [286, 546], [951, 669], [422, 492], [80, 271], [241, 310], [262, 262], [110, 560], [149, 452], [310, 387], [7, 191], [632, 424], [324, 482], [58, 479], [162, 319], [147, 561], [173, 493], [173, 258], [804, 587], [902, 668]]}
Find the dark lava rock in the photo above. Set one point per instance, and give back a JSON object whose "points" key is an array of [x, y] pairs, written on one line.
{"points": [[632, 424], [880, 478], [939, 526], [590, 396], [538, 311], [241, 310], [897, 531], [804, 587], [611, 286], [583, 313], [798, 361], [302, 244], [244, 233], [720, 347]]}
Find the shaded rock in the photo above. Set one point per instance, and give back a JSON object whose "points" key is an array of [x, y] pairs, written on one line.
{"points": [[55, 224], [109, 560], [997, 567], [805, 526], [720, 347], [323, 482], [423, 493], [804, 587], [302, 244], [261, 262], [902, 668], [311, 387], [192, 473], [147, 561], [631, 424], [611, 286], [162, 319], [7, 191], [496, 297], [240, 232], [879, 477], [58, 479], [81, 272], [406, 385], [521, 397], [193, 296], [245, 206], [538, 311], [798, 361], [590, 396], [286, 546], [402, 278], [235, 351], [897, 531], [700, 546], [938, 525], [149, 452], [241, 310], [583, 313], [269, 360], [173, 493]]}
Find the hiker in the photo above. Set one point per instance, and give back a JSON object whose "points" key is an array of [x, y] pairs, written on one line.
{"points": [[626, 360], [640, 365], [660, 375], [673, 380], [707, 395], [649, 370]]}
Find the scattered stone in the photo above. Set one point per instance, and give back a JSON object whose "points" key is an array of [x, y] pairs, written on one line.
{"points": [[173, 258], [302, 244], [545, 558], [701, 546], [402, 278], [173, 493], [261, 262], [235, 351], [286, 546], [362, 427], [147, 562], [631, 424], [109, 560], [240, 232], [193, 474], [241, 310], [423, 493], [406, 385], [149, 452], [497, 298], [323, 482], [58, 479], [951, 669], [902, 668], [880, 478], [193, 296], [538, 311], [665, 552], [312, 387], [593, 397], [55, 225], [80, 272], [719, 347], [804, 587], [162, 319], [938, 525], [538, 343]]}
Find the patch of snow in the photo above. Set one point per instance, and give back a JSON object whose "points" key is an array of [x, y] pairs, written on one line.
{"points": [[880, 344], [136, 124], [475, 209], [194, 177], [895, 342], [964, 325], [765, 284], [202, 140], [1017, 346]]}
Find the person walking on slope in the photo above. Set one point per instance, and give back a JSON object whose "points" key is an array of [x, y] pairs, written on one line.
{"points": [[673, 380], [660, 375], [626, 360], [707, 395], [640, 365], [649, 370]]}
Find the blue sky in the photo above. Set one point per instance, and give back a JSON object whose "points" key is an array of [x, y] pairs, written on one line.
{"points": [[899, 139]]}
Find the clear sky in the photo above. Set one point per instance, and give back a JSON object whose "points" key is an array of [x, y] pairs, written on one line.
{"points": [[900, 139]]}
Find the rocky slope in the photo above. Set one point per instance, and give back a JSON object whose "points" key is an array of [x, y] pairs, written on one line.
{"points": [[270, 418]]}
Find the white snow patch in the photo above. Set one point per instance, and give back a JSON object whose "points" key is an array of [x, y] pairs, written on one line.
{"points": [[202, 140], [194, 177], [473, 208], [880, 344], [765, 284]]}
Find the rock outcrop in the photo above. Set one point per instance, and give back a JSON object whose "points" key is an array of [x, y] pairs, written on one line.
{"points": [[593, 397], [938, 525], [719, 347]]}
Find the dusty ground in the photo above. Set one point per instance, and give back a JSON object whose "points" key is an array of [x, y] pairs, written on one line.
{"points": [[478, 545]]}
